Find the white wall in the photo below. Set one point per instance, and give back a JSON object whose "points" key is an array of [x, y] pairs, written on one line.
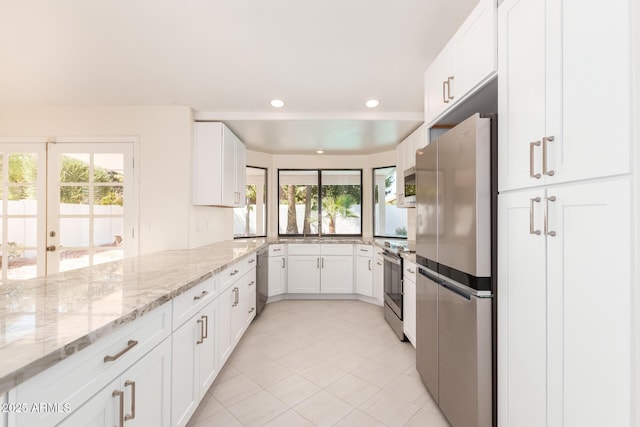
{"points": [[167, 219], [635, 108]]}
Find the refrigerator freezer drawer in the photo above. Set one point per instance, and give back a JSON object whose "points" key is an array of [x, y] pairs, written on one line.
{"points": [[464, 355], [427, 331]]}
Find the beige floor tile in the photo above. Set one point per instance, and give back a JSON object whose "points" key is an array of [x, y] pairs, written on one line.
{"points": [[275, 348], [229, 371], [323, 374], [412, 372], [323, 409], [410, 389], [358, 418], [234, 390], [428, 415], [389, 409], [299, 359], [209, 407], [293, 390], [352, 389], [396, 360], [346, 360], [224, 418], [289, 419], [376, 374], [268, 374], [257, 409]]}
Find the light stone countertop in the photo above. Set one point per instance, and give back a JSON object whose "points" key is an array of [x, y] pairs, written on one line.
{"points": [[45, 320]]}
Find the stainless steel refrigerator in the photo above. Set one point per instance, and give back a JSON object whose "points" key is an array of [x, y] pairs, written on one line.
{"points": [[454, 286]]}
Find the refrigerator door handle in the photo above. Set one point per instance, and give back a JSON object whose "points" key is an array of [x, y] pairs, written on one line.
{"points": [[457, 291], [430, 276]]}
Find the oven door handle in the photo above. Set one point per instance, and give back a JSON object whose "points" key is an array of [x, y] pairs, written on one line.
{"points": [[393, 260]]}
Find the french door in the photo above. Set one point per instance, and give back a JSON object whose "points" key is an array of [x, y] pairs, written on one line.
{"points": [[65, 205]]}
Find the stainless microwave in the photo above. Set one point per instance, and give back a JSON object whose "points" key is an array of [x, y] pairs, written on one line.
{"points": [[410, 186]]}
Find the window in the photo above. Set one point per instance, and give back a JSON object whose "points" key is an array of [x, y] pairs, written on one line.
{"points": [[388, 219], [251, 220], [320, 202]]}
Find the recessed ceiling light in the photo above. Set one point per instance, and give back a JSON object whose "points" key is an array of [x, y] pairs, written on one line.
{"points": [[277, 103], [372, 103], [320, 151]]}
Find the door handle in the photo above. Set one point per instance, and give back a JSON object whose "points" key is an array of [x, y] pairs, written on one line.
{"points": [[202, 295], [322, 262], [120, 395], [130, 345], [531, 202], [201, 340], [251, 311], [51, 248], [546, 216], [282, 262], [546, 140], [369, 265], [206, 327], [444, 94], [532, 146], [317, 262], [132, 415], [449, 79]]}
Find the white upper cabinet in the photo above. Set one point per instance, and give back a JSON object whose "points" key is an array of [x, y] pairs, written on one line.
{"points": [[219, 166], [563, 92], [465, 64], [406, 159]]}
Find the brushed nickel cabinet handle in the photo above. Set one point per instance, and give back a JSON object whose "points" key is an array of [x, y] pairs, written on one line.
{"points": [[132, 415], [444, 93], [317, 262], [201, 340], [251, 283], [202, 295], [282, 262], [120, 395], [532, 146], [364, 250], [252, 260], [369, 265], [322, 262], [379, 263], [234, 273], [235, 297], [531, 202], [411, 271], [449, 87], [130, 345], [546, 140], [206, 327], [546, 216], [251, 311]]}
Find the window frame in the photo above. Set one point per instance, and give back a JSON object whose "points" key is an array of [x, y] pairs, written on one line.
{"points": [[319, 172], [266, 204], [373, 204]]}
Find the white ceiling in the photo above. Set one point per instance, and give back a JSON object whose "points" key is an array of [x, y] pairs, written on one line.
{"points": [[228, 58]]}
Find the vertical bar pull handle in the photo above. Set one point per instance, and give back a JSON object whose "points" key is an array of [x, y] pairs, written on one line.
{"points": [[449, 79], [201, 340], [545, 140], [531, 202], [532, 146], [546, 216], [206, 327], [120, 395], [317, 262], [369, 265], [132, 415], [322, 262], [282, 262], [444, 94]]}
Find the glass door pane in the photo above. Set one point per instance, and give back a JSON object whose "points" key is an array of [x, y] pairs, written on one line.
{"points": [[22, 210]]}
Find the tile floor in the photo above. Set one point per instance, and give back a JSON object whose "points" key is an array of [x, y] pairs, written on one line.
{"points": [[319, 363]]}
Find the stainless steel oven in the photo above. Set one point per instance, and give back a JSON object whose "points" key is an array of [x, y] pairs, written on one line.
{"points": [[393, 289]]}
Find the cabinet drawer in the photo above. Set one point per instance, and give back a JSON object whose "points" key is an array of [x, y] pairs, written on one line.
{"points": [[80, 376], [190, 302], [337, 249], [303, 249], [277, 250], [364, 250], [409, 271], [249, 262], [230, 275]]}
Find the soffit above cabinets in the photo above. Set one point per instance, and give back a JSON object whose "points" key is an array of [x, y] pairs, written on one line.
{"points": [[324, 59]]}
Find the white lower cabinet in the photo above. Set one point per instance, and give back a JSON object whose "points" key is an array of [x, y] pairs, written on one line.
{"points": [[225, 300], [320, 268], [378, 276], [277, 275], [303, 274], [141, 396], [364, 270], [564, 286], [409, 301], [194, 364], [336, 274]]}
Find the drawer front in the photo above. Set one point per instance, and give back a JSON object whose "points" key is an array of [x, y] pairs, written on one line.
{"points": [[190, 302], [409, 271], [278, 250], [74, 380], [230, 274], [303, 249], [337, 249], [249, 262], [364, 250]]}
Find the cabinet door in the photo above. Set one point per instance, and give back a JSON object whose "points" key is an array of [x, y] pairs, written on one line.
{"points": [[437, 98], [207, 357], [588, 68], [241, 173], [378, 277], [229, 168], [337, 274], [223, 335], [277, 275], [364, 276], [237, 311], [589, 265], [409, 310], [400, 173], [303, 274], [475, 49], [148, 384], [184, 383], [521, 91], [522, 307], [102, 410]]}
